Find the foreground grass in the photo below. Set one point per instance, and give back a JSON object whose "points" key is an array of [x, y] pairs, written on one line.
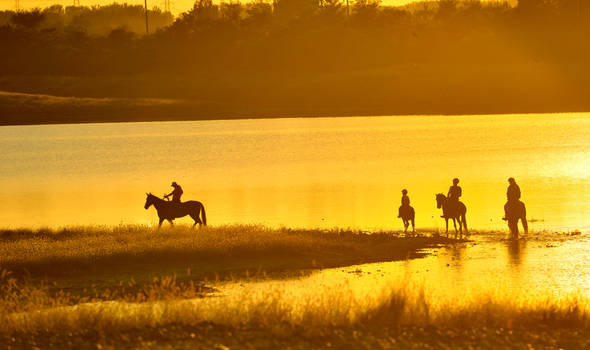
{"points": [[161, 312], [393, 318], [94, 260]]}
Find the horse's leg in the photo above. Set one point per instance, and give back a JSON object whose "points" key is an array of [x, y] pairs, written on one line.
{"points": [[160, 223], [525, 225], [513, 226], [195, 217], [171, 223], [465, 224], [413, 226], [447, 222], [455, 224]]}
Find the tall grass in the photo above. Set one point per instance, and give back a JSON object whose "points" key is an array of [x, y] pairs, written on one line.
{"points": [[275, 308]]}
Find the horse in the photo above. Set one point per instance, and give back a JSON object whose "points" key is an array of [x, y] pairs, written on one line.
{"points": [[516, 210], [168, 210], [452, 211], [407, 214]]}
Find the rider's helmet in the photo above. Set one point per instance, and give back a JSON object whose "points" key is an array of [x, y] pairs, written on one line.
{"points": [[511, 180], [174, 184], [404, 191], [455, 181]]}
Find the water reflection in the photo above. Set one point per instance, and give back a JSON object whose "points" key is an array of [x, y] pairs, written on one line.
{"points": [[516, 250], [553, 265]]}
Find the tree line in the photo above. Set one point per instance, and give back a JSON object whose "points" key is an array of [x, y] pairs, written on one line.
{"points": [[238, 44]]}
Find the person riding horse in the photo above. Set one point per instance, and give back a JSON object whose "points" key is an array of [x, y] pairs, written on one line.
{"points": [[512, 195], [454, 193], [406, 212], [514, 209], [176, 193], [405, 203]]}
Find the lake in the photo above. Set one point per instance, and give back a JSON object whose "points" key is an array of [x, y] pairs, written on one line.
{"points": [[314, 172]]}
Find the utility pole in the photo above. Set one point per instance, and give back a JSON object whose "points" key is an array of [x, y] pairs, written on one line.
{"points": [[147, 28], [16, 5], [347, 9]]}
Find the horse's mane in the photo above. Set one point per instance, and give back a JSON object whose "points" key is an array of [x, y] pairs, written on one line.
{"points": [[152, 195]]}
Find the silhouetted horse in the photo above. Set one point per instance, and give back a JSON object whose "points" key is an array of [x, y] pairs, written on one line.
{"points": [[516, 210], [452, 211], [168, 210], [407, 213]]}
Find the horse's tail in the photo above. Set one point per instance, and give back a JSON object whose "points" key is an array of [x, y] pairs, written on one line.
{"points": [[464, 220], [203, 214]]}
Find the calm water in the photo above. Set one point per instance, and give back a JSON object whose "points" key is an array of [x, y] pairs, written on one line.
{"points": [[323, 172]]}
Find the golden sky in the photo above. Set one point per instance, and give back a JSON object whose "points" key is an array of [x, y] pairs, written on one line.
{"points": [[177, 6]]}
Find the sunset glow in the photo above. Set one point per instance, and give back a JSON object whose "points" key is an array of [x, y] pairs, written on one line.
{"points": [[295, 174]]}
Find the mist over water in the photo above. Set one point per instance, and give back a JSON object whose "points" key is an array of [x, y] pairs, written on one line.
{"points": [[322, 172]]}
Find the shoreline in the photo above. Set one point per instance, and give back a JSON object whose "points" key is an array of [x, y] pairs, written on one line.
{"points": [[189, 114], [75, 258]]}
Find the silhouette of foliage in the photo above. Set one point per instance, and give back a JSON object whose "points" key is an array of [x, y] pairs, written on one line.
{"points": [[28, 20], [453, 55]]}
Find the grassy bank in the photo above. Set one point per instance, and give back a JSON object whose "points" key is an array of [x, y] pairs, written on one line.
{"points": [[402, 89], [77, 257]]}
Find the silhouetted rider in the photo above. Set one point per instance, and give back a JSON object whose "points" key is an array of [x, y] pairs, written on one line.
{"points": [[512, 195], [405, 203], [176, 193], [454, 193], [513, 191]]}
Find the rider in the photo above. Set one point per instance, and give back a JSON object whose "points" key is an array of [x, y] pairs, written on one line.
{"points": [[176, 193], [454, 193], [405, 202], [512, 195]]}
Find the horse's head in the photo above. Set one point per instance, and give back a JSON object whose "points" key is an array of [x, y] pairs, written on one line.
{"points": [[440, 199], [149, 200]]}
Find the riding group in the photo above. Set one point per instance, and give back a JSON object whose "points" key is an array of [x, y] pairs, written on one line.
{"points": [[454, 209], [451, 206]]}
